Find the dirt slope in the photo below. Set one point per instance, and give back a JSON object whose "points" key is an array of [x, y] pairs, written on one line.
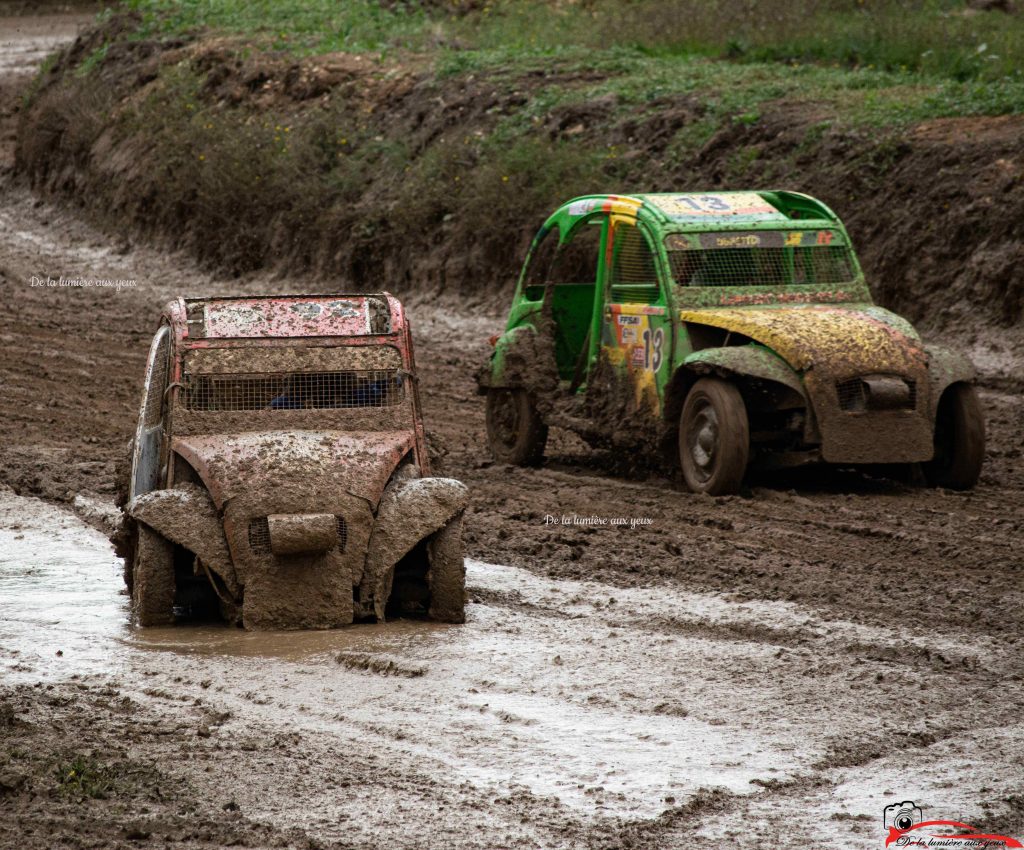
{"points": [[360, 168]]}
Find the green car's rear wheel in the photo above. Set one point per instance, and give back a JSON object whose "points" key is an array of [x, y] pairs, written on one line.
{"points": [[714, 438], [515, 431], [959, 440]]}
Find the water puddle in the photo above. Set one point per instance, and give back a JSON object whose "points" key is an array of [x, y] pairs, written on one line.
{"points": [[558, 688]]}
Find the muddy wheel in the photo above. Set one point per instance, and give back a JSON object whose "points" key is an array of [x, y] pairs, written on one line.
{"points": [[959, 440], [514, 428], [152, 585], [714, 438], [447, 576]]}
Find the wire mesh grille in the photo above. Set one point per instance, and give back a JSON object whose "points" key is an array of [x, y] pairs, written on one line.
{"points": [[157, 380], [342, 533], [851, 394], [823, 265], [855, 395], [259, 534], [294, 390]]}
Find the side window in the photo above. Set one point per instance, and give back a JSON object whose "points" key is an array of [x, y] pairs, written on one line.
{"points": [[576, 260], [539, 265], [634, 275]]}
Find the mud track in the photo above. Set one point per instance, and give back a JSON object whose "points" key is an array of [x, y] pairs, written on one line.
{"points": [[764, 667]]}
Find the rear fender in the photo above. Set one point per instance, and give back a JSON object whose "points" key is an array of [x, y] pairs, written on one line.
{"points": [[512, 352], [186, 515], [946, 368], [410, 510]]}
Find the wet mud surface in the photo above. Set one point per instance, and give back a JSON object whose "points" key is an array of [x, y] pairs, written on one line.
{"points": [[742, 670]]}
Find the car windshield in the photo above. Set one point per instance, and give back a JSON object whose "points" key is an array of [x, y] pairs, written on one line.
{"points": [[760, 258]]}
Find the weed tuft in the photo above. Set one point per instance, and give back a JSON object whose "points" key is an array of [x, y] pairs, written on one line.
{"points": [[85, 777]]}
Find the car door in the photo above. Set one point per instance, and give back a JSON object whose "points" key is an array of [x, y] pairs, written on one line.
{"points": [[636, 333]]}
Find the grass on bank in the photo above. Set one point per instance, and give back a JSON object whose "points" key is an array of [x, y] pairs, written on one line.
{"points": [[335, 167], [937, 38]]}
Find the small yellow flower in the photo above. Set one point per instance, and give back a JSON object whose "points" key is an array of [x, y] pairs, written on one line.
{"points": [[287, 129], [504, 178], [202, 157]]}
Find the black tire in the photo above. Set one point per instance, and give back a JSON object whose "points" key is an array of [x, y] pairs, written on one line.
{"points": [[152, 583], [447, 574], [515, 431], [714, 438], [959, 440]]}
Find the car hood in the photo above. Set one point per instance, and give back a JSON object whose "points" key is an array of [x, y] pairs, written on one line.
{"points": [[843, 340], [359, 463]]}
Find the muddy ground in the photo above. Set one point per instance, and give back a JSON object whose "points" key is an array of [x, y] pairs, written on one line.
{"points": [[772, 667]]}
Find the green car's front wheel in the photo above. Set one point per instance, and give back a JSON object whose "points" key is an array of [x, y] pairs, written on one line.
{"points": [[515, 430], [714, 438], [959, 440]]}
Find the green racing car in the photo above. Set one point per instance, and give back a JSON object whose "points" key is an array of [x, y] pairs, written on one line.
{"points": [[719, 331]]}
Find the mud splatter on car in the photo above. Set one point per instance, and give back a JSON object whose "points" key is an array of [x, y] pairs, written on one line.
{"points": [[279, 475], [727, 329]]}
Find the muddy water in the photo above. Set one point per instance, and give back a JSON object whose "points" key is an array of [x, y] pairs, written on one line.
{"points": [[557, 699], [603, 702], [60, 608], [26, 41]]}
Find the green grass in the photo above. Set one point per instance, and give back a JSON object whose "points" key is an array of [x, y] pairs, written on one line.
{"points": [[936, 38], [298, 26], [865, 62], [729, 91]]}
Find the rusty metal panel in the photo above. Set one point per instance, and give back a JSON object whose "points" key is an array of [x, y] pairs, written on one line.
{"points": [[286, 317]]}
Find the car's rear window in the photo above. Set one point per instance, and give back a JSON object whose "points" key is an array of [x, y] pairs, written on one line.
{"points": [[261, 387], [763, 258], [293, 390]]}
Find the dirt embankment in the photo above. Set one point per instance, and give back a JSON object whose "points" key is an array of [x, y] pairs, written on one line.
{"points": [[360, 170]]}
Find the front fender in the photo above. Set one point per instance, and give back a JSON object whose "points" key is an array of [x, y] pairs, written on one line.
{"points": [[186, 515], [410, 510], [946, 367], [752, 361]]}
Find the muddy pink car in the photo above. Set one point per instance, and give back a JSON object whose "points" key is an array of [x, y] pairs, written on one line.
{"points": [[279, 475]]}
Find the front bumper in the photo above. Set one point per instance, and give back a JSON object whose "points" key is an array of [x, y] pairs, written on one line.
{"points": [[872, 418]]}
